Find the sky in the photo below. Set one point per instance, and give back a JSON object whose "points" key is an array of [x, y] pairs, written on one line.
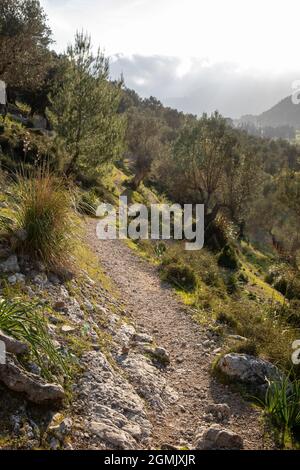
{"points": [[237, 56]]}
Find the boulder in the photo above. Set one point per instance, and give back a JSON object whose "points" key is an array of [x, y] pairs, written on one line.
{"points": [[10, 265], [216, 437], [12, 345], [250, 370], [158, 354], [142, 338], [35, 390], [115, 437], [219, 411], [15, 278]]}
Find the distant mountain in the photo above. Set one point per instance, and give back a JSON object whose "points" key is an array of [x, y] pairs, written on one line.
{"points": [[284, 113]]}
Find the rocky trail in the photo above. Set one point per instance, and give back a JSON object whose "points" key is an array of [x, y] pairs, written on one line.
{"points": [[157, 405]]}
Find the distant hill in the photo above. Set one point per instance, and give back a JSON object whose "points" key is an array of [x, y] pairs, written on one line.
{"points": [[284, 113]]}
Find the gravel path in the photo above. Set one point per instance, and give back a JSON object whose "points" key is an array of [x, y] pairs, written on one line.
{"points": [[155, 309]]}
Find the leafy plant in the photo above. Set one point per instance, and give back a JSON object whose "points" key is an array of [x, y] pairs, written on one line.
{"points": [[25, 323]]}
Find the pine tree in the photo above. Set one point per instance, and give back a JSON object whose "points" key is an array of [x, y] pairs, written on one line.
{"points": [[84, 108]]}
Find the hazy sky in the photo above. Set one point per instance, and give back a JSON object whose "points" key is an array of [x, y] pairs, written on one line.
{"points": [[238, 56]]}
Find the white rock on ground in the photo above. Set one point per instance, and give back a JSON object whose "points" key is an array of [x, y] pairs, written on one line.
{"points": [[10, 265], [217, 437], [115, 415], [249, 370]]}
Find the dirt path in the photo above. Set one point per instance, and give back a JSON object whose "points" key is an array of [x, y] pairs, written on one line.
{"points": [[156, 310]]}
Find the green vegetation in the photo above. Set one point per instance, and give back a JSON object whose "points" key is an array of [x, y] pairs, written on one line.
{"points": [[282, 406], [228, 258], [83, 110], [180, 275], [26, 322], [42, 223]]}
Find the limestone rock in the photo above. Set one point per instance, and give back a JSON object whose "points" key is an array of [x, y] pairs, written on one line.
{"points": [[219, 411], [68, 329], [142, 338], [40, 279], [149, 381], [15, 278], [18, 380], [217, 437], [117, 416], [249, 370], [159, 354], [115, 437], [13, 345], [10, 265], [60, 430]]}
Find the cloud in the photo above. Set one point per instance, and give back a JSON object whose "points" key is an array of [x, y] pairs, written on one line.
{"points": [[197, 86]]}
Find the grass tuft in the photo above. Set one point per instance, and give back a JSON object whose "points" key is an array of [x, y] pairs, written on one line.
{"points": [[25, 323], [42, 223]]}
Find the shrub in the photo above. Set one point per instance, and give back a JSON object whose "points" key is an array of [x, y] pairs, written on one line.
{"points": [[227, 319], [289, 287], [23, 322], [284, 279], [87, 202], [232, 284], [228, 258], [281, 285], [180, 275], [291, 313], [243, 278], [247, 347], [42, 223]]}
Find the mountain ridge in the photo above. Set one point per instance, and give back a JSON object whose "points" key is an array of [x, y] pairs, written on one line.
{"points": [[283, 113]]}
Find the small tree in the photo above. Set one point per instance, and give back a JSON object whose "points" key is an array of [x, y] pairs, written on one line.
{"points": [[24, 40], [144, 145], [241, 183], [83, 109], [198, 163]]}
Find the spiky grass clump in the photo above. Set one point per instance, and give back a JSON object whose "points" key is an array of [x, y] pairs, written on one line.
{"points": [[25, 322], [282, 405], [42, 219]]}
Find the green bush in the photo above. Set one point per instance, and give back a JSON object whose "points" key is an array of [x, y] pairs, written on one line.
{"points": [[247, 347], [180, 275], [226, 319], [228, 258], [232, 284], [288, 287], [291, 313], [24, 147]]}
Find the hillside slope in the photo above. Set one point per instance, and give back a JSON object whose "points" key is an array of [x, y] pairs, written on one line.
{"points": [[284, 113]]}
